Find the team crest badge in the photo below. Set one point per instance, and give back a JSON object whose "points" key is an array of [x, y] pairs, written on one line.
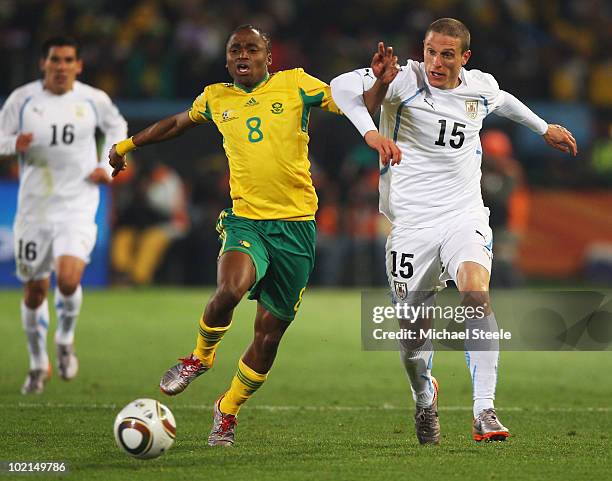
{"points": [[401, 290], [24, 269], [227, 115], [277, 108], [471, 107]]}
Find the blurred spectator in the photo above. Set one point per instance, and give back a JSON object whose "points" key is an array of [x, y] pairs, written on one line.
{"points": [[152, 213], [505, 193], [363, 231], [332, 243]]}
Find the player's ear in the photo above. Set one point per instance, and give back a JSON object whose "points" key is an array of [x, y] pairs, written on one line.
{"points": [[269, 59], [79, 66], [465, 56]]}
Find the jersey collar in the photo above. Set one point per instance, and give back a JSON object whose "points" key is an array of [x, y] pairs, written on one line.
{"points": [[45, 89], [249, 90]]}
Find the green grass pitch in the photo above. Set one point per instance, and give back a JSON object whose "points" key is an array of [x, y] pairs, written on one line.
{"points": [[328, 410]]}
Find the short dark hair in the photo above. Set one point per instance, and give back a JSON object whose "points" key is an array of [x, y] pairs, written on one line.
{"points": [[247, 26], [453, 28], [60, 41]]}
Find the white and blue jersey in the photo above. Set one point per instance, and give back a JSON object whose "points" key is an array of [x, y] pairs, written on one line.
{"points": [[438, 133], [54, 170]]}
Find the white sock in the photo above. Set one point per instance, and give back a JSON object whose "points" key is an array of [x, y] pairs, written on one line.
{"points": [[35, 324], [482, 357], [417, 364], [67, 309]]}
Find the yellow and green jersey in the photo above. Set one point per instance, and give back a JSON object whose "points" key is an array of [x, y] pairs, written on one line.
{"points": [[265, 137]]}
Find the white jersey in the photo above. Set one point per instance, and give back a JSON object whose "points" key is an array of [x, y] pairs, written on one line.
{"points": [[54, 170], [438, 133]]}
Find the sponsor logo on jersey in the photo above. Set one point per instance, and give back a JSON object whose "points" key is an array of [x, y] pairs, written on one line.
{"points": [[401, 290], [251, 102], [228, 115], [37, 110], [429, 102], [471, 107], [277, 108], [244, 243]]}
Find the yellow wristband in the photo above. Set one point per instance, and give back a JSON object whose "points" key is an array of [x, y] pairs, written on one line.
{"points": [[125, 146]]}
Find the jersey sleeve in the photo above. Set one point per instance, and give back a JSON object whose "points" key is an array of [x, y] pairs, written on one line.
{"points": [[490, 91], [368, 79], [347, 90], [507, 105], [315, 92], [111, 123], [9, 124], [200, 112], [513, 109]]}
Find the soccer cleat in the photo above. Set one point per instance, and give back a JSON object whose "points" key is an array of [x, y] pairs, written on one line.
{"points": [[488, 428], [177, 378], [67, 362], [426, 420], [223, 428], [35, 381]]}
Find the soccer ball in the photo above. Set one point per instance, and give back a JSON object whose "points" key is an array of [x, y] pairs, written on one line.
{"points": [[145, 429]]}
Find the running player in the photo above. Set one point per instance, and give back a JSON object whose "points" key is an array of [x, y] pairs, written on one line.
{"points": [[268, 236], [434, 110], [50, 124]]}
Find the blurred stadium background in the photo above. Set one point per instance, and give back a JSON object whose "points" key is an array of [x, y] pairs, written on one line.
{"points": [[550, 212]]}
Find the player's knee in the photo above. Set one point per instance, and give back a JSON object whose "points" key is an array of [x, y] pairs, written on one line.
{"points": [[227, 296], [34, 295], [67, 285], [476, 298]]}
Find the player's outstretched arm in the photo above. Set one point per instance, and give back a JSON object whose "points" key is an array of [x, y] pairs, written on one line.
{"points": [[385, 69], [554, 135], [164, 129], [560, 138]]}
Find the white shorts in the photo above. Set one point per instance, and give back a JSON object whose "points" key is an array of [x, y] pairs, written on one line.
{"points": [[420, 261], [38, 245]]}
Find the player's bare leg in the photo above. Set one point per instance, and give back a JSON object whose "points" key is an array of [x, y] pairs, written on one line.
{"points": [[416, 355], [252, 371], [68, 301], [235, 276], [269, 330], [482, 355], [35, 320]]}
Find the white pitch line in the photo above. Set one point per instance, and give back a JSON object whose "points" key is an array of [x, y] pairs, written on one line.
{"points": [[383, 407]]}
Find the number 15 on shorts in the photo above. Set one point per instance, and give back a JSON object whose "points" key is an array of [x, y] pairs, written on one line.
{"points": [[401, 265]]}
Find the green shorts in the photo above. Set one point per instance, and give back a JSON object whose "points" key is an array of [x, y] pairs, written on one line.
{"points": [[283, 253]]}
